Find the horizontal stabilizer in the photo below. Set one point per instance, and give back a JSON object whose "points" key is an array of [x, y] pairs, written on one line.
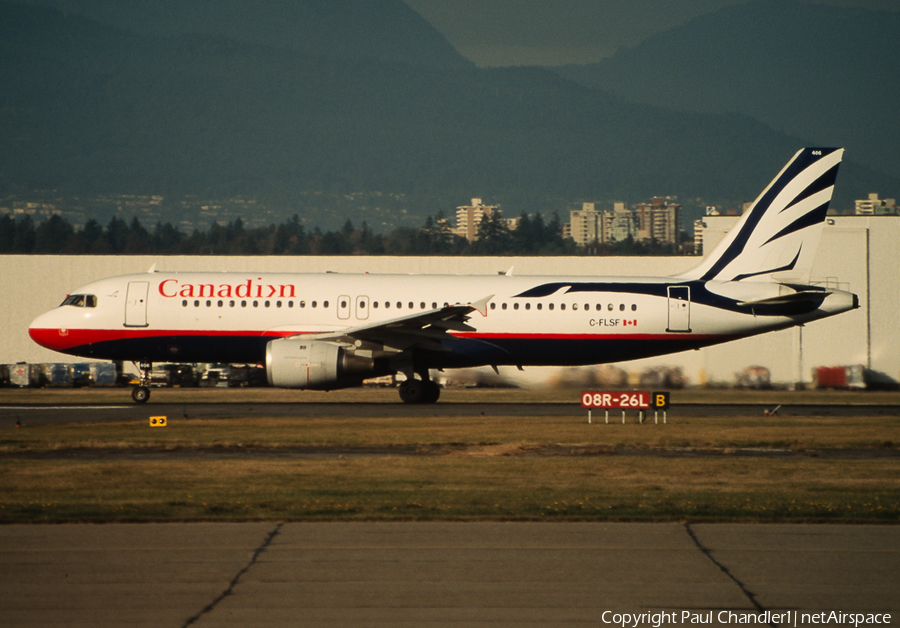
{"points": [[808, 296]]}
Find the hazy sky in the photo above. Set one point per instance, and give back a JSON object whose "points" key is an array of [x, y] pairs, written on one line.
{"points": [[553, 32]]}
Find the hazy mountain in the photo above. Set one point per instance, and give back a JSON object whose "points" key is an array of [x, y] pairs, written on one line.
{"points": [[86, 108], [814, 71], [375, 29]]}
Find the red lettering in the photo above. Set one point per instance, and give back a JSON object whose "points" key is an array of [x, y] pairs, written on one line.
{"points": [[288, 288], [246, 294], [259, 289], [272, 292], [224, 291], [162, 289], [187, 290], [203, 287]]}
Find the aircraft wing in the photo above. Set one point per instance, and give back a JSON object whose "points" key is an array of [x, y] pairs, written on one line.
{"points": [[425, 330]]}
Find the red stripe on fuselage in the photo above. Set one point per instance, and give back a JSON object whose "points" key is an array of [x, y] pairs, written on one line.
{"points": [[65, 339]]}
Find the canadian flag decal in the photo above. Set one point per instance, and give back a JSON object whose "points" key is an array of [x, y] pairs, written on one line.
{"points": [[627, 322]]}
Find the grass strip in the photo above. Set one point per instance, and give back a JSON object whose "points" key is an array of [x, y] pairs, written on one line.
{"points": [[452, 488]]}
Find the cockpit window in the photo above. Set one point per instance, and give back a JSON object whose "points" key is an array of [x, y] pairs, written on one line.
{"points": [[81, 300]]}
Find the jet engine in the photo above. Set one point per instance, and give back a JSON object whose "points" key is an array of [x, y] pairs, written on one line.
{"points": [[298, 363]]}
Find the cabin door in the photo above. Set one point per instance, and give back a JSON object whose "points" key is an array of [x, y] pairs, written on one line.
{"points": [[679, 308], [136, 304]]}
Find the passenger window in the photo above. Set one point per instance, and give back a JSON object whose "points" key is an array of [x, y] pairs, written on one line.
{"points": [[243, 304], [599, 307], [231, 304], [399, 305], [196, 303], [515, 306], [574, 307], [528, 306], [562, 306], [540, 306], [634, 307], [493, 306], [221, 303], [314, 304], [550, 306], [256, 304], [503, 306], [267, 304], [325, 304], [184, 303], [411, 306], [621, 307], [434, 306], [610, 307], [277, 303], [302, 304]]}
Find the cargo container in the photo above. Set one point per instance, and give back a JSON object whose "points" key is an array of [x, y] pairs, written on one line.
{"points": [[103, 374], [24, 375], [840, 377], [56, 374]]}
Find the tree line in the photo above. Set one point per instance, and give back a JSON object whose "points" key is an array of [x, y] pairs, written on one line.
{"points": [[533, 236]]}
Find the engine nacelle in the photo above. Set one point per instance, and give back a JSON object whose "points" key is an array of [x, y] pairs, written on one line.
{"points": [[298, 363]]}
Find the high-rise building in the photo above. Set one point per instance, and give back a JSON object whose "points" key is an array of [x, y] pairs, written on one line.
{"points": [[659, 220], [586, 224], [469, 217]]}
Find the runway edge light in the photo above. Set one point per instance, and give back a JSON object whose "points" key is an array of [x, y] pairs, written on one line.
{"points": [[158, 421]]}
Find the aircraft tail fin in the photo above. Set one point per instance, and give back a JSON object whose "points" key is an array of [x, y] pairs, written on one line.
{"points": [[778, 236]]}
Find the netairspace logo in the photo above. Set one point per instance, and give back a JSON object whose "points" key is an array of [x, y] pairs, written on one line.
{"points": [[764, 618]]}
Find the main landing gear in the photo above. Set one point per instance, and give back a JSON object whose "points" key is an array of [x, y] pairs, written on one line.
{"points": [[141, 392], [419, 391]]}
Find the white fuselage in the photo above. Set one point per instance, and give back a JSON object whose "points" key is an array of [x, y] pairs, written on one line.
{"points": [[229, 317]]}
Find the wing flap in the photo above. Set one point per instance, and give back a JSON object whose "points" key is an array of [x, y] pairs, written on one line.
{"points": [[425, 330]]}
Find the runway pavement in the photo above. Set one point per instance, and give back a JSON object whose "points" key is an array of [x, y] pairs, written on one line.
{"points": [[39, 414], [441, 574]]}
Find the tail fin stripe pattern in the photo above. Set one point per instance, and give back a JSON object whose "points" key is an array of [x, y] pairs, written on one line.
{"points": [[807, 220], [794, 204], [822, 183], [737, 247], [769, 271]]}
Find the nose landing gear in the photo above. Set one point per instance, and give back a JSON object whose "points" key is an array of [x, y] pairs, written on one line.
{"points": [[141, 392]]}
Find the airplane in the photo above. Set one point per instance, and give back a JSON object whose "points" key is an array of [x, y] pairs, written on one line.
{"points": [[331, 331]]}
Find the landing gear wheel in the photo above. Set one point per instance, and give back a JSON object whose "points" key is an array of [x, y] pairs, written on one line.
{"points": [[417, 391], [140, 394], [432, 392]]}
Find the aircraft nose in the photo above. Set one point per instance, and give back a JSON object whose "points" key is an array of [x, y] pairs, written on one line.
{"points": [[47, 332]]}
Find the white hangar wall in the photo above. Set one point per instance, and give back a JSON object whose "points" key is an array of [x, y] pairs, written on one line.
{"points": [[858, 253]]}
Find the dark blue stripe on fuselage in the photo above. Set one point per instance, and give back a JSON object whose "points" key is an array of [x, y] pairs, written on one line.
{"points": [[699, 295]]}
